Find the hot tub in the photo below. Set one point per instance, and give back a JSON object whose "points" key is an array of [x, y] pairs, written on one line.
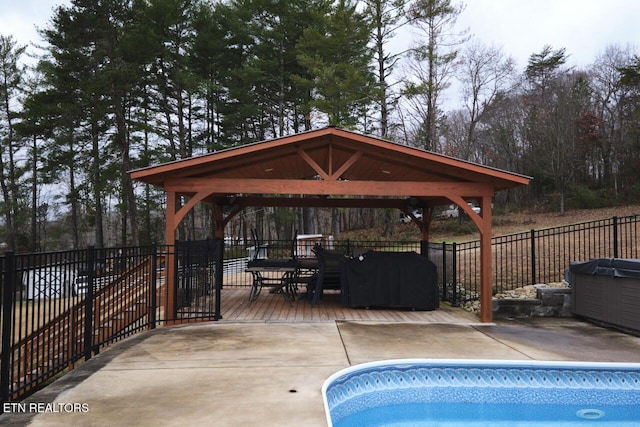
{"points": [[607, 290], [415, 392]]}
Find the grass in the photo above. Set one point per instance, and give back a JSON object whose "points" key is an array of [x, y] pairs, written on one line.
{"points": [[32, 314], [464, 230]]}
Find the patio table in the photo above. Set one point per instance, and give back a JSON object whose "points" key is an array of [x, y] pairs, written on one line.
{"points": [[279, 274]]}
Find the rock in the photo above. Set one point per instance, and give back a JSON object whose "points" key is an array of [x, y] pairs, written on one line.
{"points": [[533, 293]]}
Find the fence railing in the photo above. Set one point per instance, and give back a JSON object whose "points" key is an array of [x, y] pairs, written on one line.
{"points": [[535, 256], [519, 259], [60, 308]]}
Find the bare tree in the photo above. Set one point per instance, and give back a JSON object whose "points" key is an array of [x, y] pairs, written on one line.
{"points": [[433, 63], [557, 97], [485, 72], [501, 139], [608, 95]]}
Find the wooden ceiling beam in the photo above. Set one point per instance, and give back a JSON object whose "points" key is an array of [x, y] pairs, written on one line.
{"points": [[328, 188], [346, 165], [318, 202], [314, 165]]}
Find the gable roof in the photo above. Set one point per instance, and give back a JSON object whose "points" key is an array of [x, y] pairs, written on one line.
{"points": [[329, 154]]}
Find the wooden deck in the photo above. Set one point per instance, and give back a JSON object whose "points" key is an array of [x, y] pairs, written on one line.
{"points": [[235, 307]]}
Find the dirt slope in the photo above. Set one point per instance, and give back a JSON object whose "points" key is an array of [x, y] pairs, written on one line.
{"points": [[511, 223], [518, 222]]}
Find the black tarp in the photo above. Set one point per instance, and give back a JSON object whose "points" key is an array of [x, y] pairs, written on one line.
{"points": [[611, 267], [391, 279]]}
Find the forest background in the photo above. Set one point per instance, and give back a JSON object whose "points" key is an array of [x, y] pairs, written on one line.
{"points": [[124, 84]]}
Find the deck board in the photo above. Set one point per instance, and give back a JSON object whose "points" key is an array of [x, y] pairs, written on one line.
{"points": [[268, 307]]}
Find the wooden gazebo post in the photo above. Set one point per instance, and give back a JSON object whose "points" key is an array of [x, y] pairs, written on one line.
{"points": [[169, 266], [483, 222], [175, 214], [486, 294]]}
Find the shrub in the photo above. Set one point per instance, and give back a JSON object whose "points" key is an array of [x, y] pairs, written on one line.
{"points": [[586, 198]]}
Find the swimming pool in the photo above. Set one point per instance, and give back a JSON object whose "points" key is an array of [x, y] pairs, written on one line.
{"points": [[412, 392]]}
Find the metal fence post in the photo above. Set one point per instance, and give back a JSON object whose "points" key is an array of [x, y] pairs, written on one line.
{"points": [[88, 303], [454, 276], [615, 237], [178, 253], [218, 262], [533, 257], [444, 272], [153, 286], [8, 289]]}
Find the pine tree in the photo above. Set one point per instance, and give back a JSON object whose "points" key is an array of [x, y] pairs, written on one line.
{"points": [[387, 18], [337, 56], [12, 173], [91, 71], [433, 65]]}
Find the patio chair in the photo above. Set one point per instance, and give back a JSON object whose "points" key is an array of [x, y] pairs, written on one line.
{"points": [[329, 273], [260, 248], [279, 274]]}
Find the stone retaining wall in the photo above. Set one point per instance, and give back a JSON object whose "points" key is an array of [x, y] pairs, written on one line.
{"points": [[549, 302]]}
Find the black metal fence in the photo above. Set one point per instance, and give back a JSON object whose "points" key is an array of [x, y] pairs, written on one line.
{"points": [[61, 308], [535, 256], [520, 259]]}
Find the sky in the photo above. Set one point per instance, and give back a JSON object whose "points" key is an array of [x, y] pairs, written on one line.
{"points": [[19, 18], [521, 27], [584, 27]]}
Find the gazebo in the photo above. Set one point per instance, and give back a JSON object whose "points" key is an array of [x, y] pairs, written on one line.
{"points": [[332, 167]]}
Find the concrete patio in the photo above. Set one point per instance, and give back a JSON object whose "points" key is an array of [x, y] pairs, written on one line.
{"points": [[271, 373]]}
